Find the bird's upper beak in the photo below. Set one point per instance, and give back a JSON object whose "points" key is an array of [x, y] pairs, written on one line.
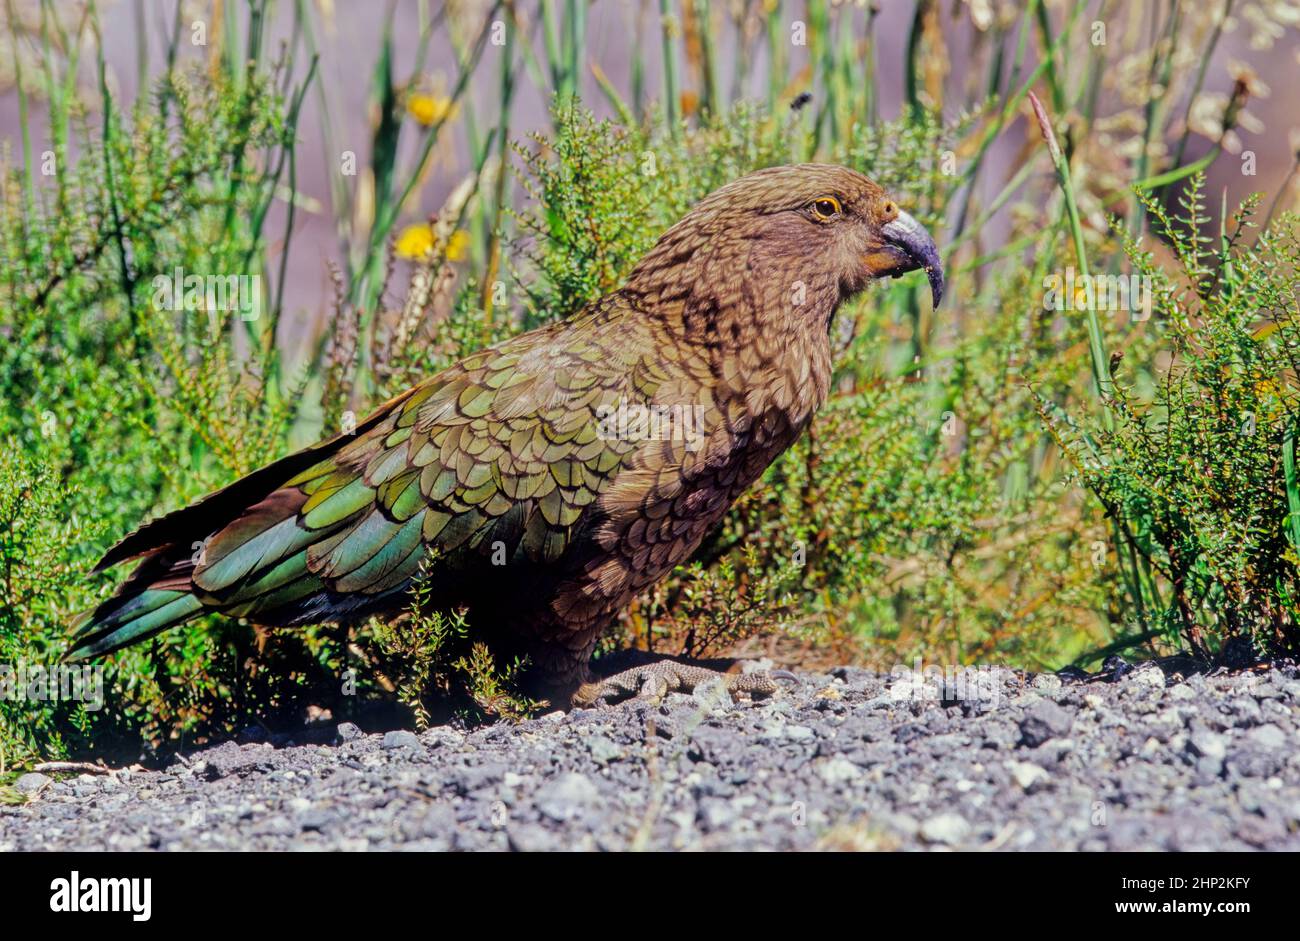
{"points": [[908, 246]]}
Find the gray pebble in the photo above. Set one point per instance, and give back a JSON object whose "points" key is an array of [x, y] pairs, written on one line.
{"points": [[949, 829], [1044, 720], [401, 738], [567, 797], [1268, 736], [31, 782]]}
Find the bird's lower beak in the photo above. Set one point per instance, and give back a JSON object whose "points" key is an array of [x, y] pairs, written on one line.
{"points": [[907, 247]]}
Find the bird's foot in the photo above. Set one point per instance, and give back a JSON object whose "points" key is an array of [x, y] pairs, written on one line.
{"points": [[651, 682]]}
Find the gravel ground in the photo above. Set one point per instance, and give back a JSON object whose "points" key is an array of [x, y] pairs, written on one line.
{"points": [[849, 760]]}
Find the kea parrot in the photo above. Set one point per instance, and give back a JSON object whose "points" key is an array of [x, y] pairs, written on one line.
{"points": [[509, 486]]}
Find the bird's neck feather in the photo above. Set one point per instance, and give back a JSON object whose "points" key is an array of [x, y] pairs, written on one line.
{"points": [[752, 303], [759, 347]]}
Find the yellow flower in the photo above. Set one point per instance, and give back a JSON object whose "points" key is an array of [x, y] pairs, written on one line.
{"points": [[457, 245], [430, 109], [415, 242]]}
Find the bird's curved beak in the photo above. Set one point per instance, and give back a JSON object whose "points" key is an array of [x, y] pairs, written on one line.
{"points": [[907, 247]]}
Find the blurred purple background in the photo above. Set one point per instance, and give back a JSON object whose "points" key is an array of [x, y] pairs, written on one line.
{"points": [[349, 35]]}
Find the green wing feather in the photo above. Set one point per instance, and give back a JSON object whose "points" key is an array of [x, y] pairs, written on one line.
{"points": [[502, 448]]}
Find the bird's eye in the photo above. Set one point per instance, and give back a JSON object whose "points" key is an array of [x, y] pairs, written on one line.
{"points": [[825, 207]]}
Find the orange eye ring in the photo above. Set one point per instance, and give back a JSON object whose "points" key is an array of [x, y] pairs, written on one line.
{"points": [[824, 208]]}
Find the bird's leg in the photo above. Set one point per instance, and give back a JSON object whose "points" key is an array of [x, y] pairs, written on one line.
{"points": [[653, 681]]}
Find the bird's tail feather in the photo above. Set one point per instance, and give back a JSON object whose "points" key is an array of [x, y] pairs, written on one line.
{"points": [[124, 620], [257, 563]]}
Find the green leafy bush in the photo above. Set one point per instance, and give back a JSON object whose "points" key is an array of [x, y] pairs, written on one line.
{"points": [[114, 407], [1199, 466]]}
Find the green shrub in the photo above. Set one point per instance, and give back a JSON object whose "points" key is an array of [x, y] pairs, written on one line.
{"points": [[113, 407], [1200, 465]]}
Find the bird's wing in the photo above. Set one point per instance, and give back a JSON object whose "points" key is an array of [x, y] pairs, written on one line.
{"points": [[504, 447], [503, 451]]}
